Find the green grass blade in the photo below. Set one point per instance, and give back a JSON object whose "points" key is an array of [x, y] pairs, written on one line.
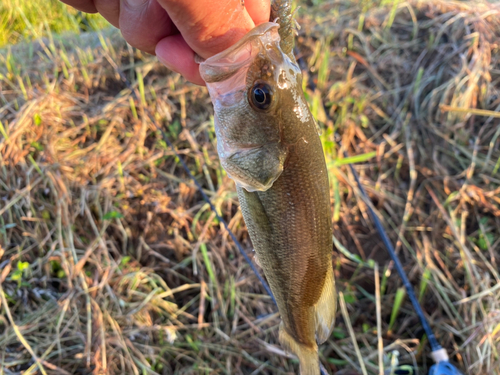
{"points": [[355, 159], [208, 264], [398, 301]]}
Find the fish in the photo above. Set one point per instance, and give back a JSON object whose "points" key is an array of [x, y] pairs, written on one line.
{"points": [[268, 143]]}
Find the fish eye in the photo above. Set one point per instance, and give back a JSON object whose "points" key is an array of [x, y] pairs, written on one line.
{"points": [[261, 95]]}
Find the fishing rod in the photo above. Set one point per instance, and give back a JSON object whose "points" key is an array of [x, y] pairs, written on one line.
{"points": [[442, 365]]}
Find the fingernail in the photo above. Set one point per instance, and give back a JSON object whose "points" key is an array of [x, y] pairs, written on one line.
{"points": [[136, 3]]}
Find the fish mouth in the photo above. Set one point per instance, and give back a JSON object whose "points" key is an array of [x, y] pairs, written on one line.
{"points": [[227, 63]]}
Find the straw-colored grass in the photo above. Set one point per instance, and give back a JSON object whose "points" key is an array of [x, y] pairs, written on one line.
{"points": [[111, 262]]}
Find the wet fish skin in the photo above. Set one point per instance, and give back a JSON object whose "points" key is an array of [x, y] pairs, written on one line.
{"points": [[276, 159]]}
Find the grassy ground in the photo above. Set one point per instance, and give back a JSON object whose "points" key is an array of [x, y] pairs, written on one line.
{"points": [[110, 261], [26, 20]]}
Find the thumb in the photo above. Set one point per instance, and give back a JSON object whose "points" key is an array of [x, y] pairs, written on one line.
{"points": [[212, 27]]}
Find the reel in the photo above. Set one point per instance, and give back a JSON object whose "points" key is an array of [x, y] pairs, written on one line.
{"points": [[444, 368]]}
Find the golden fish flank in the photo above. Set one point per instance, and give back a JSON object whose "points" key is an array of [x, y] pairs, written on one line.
{"points": [[268, 143]]}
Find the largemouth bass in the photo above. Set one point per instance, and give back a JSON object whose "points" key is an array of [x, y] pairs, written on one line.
{"points": [[268, 143]]}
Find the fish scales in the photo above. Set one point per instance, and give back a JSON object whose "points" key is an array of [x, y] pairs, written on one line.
{"points": [[288, 234], [268, 143]]}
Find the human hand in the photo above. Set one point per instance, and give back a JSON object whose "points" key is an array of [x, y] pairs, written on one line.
{"points": [[175, 30]]}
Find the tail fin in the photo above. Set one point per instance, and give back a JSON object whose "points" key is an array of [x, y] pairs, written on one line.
{"points": [[326, 309], [308, 356], [324, 320]]}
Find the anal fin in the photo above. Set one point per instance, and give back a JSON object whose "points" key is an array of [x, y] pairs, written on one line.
{"points": [[326, 309]]}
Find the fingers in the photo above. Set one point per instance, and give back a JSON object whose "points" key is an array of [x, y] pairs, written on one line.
{"points": [[175, 54], [259, 10], [176, 29], [109, 9], [210, 28], [206, 30], [86, 6], [144, 23]]}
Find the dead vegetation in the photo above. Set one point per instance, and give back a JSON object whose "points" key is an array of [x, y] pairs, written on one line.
{"points": [[111, 262]]}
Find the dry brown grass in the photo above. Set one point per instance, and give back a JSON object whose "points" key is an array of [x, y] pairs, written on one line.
{"points": [[110, 261]]}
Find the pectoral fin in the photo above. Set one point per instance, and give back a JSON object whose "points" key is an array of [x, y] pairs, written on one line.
{"points": [[256, 260], [256, 169]]}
